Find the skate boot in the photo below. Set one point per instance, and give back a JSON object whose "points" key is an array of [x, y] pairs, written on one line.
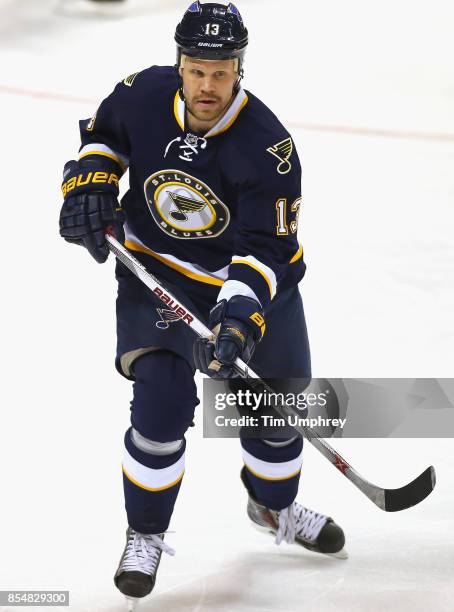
{"points": [[136, 574], [299, 525]]}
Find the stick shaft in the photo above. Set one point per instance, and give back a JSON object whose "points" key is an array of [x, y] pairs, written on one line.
{"points": [[376, 494]]}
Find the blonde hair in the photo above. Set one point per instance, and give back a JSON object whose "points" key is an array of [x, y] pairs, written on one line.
{"points": [[184, 57]]}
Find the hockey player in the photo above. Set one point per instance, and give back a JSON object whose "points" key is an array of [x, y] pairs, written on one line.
{"points": [[212, 209]]}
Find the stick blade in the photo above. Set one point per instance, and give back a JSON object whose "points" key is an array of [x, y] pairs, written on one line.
{"points": [[412, 493]]}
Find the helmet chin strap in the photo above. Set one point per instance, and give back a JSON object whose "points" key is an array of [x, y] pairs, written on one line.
{"points": [[236, 87]]}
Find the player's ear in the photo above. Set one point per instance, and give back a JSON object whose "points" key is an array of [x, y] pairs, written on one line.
{"points": [[182, 62]]}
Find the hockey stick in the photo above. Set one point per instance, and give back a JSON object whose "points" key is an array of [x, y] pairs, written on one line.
{"points": [[390, 500]]}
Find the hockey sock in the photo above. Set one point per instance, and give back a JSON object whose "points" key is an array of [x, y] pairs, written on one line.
{"points": [[151, 485], [272, 472]]}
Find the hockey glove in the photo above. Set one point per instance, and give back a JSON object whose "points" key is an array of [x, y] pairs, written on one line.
{"points": [[239, 325], [90, 189]]}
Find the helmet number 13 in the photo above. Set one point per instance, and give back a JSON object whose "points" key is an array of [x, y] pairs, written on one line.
{"points": [[212, 29]]}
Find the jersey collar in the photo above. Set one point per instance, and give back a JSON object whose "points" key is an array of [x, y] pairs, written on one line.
{"points": [[239, 102]]}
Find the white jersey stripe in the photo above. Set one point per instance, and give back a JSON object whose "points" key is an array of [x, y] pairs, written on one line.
{"points": [[152, 479], [230, 116], [103, 149], [235, 287], [192, 269], [272, 471], [266, 272]]}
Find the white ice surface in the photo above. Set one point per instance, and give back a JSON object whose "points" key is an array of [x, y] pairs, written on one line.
{"points": [[368, 92]]}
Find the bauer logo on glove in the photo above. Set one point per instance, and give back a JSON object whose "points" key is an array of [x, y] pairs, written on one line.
{"points": [[86, 178], [90, 189], [260, 321]]}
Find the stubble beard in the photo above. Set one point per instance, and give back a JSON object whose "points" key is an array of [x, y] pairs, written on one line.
{"points": [[212, 117]]}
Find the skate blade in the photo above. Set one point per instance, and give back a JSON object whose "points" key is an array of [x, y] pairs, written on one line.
{"points": [[341, 554], [262, 528], [132, 603]]}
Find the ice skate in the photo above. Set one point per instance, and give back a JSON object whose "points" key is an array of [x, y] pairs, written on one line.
{"points": [[298, 525], [136, 573]]}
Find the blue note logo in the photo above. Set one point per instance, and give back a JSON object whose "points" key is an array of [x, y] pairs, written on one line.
{"points": [[283, 151], [166, 318], [184, 207]]}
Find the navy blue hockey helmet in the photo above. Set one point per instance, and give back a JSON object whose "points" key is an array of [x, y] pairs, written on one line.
{"points": [[212, 32]]}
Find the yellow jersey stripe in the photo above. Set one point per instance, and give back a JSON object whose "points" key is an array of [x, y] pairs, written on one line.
{"points": [[202, 278], [232, 120], [244, 262], [273, 478], [172, 484], [298, 254], [175, 110]]}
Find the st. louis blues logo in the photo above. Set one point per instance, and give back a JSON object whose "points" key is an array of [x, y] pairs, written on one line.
{"points": [[167, 317], [184, 207], [283, 151]]}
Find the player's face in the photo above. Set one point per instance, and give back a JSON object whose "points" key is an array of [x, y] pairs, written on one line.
{"points": [[208, 88]]}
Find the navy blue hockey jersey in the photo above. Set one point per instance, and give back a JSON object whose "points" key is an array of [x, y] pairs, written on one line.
{"points": [[220, 209]]}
